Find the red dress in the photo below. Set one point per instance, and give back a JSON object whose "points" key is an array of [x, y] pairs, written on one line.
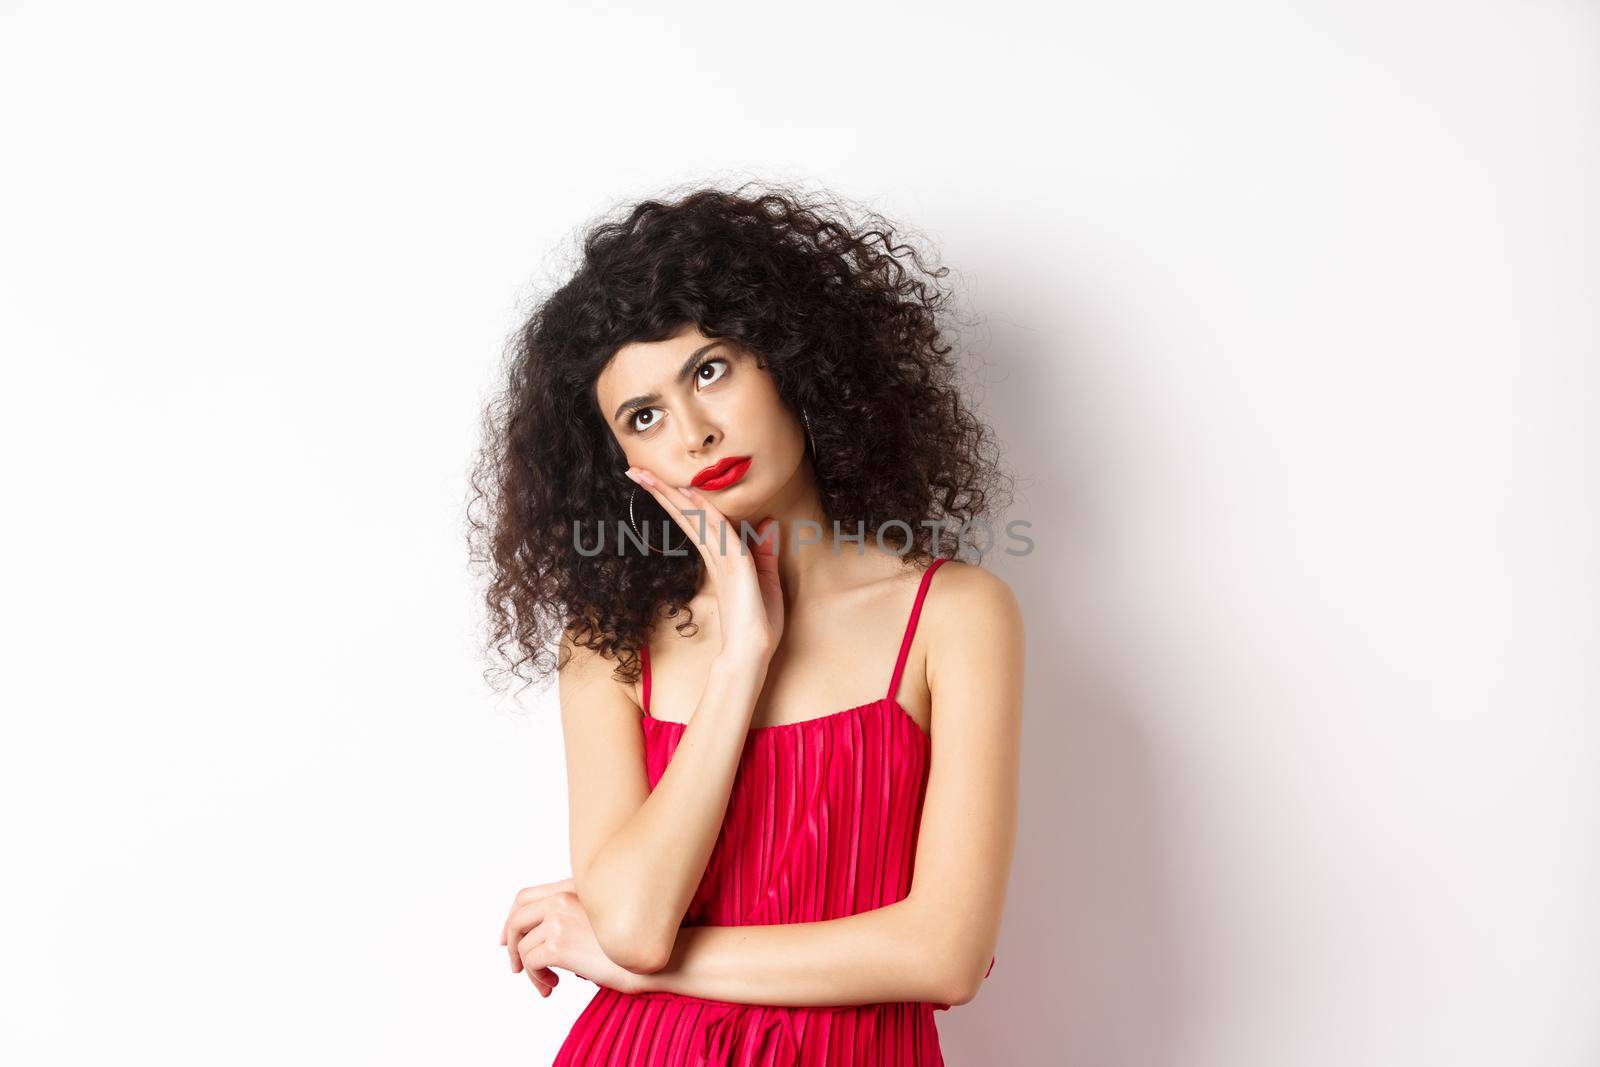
{"points": [[821, 823]]}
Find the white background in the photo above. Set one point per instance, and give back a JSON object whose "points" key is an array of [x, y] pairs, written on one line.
{"points": [[1292, 340]]}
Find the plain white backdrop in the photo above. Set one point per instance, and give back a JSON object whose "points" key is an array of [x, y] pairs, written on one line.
{"points": [[1291, 337]]}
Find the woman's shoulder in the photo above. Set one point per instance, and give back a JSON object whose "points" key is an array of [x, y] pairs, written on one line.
{"points": [[583, 656], [966, 598], [970, 580], [588, 671], [975, 650]]}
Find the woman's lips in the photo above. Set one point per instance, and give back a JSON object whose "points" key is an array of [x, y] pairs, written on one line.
{"points": [[727, 477]]}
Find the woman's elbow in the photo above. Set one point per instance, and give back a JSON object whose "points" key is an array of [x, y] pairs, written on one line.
{"points": [[959, 989], [641, 952], [963, 983], [647, 960]]}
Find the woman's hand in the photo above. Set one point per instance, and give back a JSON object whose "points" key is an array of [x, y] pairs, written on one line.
{"points": [[743, 576], [544, 979], [548, 927]]}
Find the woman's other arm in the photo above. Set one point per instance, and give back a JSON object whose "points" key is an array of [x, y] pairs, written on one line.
{"points": [[638, 855], [936, 944]]}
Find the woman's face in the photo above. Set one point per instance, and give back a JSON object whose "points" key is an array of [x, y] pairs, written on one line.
{"points": [[682, 406]]}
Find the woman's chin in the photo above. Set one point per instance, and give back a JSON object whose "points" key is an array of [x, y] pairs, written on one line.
{"points": [[738, 503], [751, 515]]}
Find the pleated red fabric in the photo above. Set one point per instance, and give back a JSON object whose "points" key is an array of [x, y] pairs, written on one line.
{"points": [[822, 822]]}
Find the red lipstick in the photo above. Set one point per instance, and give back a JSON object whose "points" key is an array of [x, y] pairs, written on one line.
{"points": [[722, 473]]}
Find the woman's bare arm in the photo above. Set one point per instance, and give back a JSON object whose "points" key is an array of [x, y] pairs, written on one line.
{"points": [[638, 855], [937, 943]]}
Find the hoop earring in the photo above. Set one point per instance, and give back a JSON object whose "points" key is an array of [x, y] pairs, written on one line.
{"points": [[644, 540], [807, 420]]}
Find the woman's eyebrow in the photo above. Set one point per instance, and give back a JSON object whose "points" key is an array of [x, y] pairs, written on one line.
{"points": [[627, 407]]}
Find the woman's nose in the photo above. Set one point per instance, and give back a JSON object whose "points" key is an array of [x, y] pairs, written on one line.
{"points": [[698, 435]]}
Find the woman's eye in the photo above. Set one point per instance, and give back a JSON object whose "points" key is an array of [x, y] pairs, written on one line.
{"points": [[633, 423], [710, 363]]}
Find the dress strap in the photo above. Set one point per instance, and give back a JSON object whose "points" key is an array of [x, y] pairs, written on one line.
{"points": [[644, 667], [911, 626]]}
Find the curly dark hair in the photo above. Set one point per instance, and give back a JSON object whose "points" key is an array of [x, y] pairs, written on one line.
{"points": [[845, 330]]}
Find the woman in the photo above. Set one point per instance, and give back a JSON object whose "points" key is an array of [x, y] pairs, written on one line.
{"points": [[742, 412]]}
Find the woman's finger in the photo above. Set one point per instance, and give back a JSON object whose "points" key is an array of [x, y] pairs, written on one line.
{"points": [[703, 527], [530, 893], [526, 919], [505, 927], [544, 979], [765, 546], [687, 504], [539, 983], [533, 952]]}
